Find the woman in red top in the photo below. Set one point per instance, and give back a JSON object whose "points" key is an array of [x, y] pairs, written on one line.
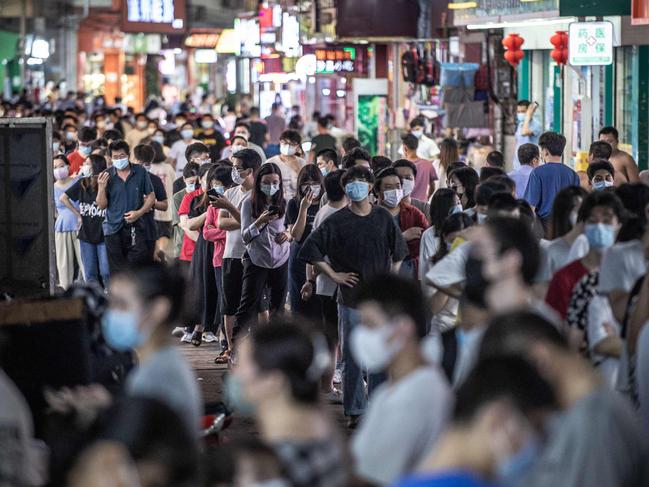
{"points": [[190, 237], [409, 219]]}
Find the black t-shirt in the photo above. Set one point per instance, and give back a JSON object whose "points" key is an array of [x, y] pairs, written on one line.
{"points": [[213, 139], [258, 132], [92, 216], [160, 195], [365, 245], [322, 142], [292, 212]]}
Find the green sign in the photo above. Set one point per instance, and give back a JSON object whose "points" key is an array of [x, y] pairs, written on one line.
{"points": [[371, 123], [590, 43]]}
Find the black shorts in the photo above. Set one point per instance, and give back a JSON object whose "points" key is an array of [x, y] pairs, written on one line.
{"points": [[163, 229], [232, 274]]}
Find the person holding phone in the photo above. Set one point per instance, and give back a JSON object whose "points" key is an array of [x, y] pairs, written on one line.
{"points": [[528, 129], [264, 235]]}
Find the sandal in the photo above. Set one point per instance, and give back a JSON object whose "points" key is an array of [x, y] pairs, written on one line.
{"points": [[224, 358], [197, 338]]}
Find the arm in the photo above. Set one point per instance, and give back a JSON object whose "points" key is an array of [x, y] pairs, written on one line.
{"points": [[297, 229], [66, 201], [639, 316], [631, 169], [102, 196], [618, 300], [250, 227], [191, 234], [161, 205], [211, 232], [195, 224], [610, 346], [526, 130], [349, 279], [227, 222]]}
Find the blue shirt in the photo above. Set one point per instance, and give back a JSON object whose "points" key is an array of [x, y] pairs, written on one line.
{"points": [[545, 182], [520, 176], [449, 478], [66, 220], [535, 128], [124, 196]]}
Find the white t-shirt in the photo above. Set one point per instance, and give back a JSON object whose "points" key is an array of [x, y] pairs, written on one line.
{"points": [[289, 176], [451, 269], [622, 265], [642, 373], [580, 247], [427, 149], [600, 314], [167, 174], [177, 152], [554, 257], [234, 247], [324, 286], [402, 423]]}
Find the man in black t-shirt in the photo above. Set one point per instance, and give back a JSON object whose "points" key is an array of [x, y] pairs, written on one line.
{"points": [[258, 129], [361, 241], [324, 140]]}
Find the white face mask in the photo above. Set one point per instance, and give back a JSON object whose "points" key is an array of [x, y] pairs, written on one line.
{"points": [[392, 197], [370, 347], [236, 176], [481, 217], [287, 150], [315, 190], [142, 125], [417, 133], [86, 170], [407, 185]]}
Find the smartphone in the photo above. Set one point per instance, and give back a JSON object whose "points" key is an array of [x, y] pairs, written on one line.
{"points": [[536, 104], [273, 209], [212, 193]]}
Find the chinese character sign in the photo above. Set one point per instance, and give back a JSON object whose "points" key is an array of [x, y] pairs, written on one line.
{"points": [[335, 60], [591, 43]]}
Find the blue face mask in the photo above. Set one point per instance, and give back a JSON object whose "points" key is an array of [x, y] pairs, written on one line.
{"points": [[520, 117], [269, 189], [456, 209], [602, 185], [85, 150], [512, 470], [121, 331], [120, 163], [357, 190], [324, 171], [234, 397], [599, 235], [191, 187]]}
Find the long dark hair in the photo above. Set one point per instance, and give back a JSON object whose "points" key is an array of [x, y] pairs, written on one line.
{"points": [[310, 172], [566, 200], [440, 206], [469, 179], [98, 163], [454, 223], [216, 173], [259, 198]]}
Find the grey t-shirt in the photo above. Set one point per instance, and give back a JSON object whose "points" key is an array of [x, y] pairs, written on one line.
{"points": [[597, 442], [622, 265], [642, 374]]}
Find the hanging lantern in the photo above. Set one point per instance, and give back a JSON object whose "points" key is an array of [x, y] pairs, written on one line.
{"points": [[560, 42], [513, 54]]}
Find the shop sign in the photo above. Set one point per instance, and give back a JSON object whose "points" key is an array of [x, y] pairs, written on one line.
{"points": [[335, 60], [247, 31], [205, 56], [142, 43], [202, 40], [154, 16], [590, 43]]}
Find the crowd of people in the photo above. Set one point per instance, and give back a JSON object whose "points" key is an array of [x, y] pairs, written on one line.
{"points": [[478, 327]]}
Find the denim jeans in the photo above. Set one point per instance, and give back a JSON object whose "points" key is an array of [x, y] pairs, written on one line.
{"points": [[95, 262], [354, 397]]}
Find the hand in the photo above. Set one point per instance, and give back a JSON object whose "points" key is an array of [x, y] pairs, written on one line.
{"points": [[530, 110], [610, 329], [307, 291], [280, 238], [85, 402], [348, 279], [307, 201], [266, 217], [413, 233], [132, 216], [79, 221], [221, 203], [103, 179]]}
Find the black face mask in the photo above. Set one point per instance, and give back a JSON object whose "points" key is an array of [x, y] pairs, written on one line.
{"points": [[476, 285]]}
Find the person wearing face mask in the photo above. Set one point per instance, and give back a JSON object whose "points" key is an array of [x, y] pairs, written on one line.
{"points": [[145, 302], [548, 179], [528, 128], [276, 380], [528, 158], [276, 125], [493, 438], [597, 150], [91, 235], [300, 214], [409, 219], [87, 138], [427, 149], [209, 135], [67, 224], [601, 175], [350, 246], [263, 232], [245, 164], [140, 132], [288, 162], [237, 143], [242, 129], [178, 148], [426, 174], [407, 171], [327, 161], [464, 181], [70, 134], [126, 193], [597, 438], [411, 409], [198, 153], [190, 177]]}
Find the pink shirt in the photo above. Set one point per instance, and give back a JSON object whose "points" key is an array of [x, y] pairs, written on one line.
{"points": [[212, 233], [426, 176]]}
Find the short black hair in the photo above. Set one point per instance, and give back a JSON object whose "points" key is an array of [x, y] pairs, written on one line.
{"points": [[505, 377], [505, 180], [486, 190], [195, 147], [527, 153], [350, 143], [87, 134], [350, 158], [523, 103], [119, 145], [502, 202], [564, 203], [405, 163], [597, 165], [600, 150], [381, 175], [144, 153], [243, 124], [113, 134], [329, 155], [610, 131], [140, 115], [333, 186], [396, 296], [515, 332], [323, 122], [190, 170], [292, 136], [410, 141], [488, 172], [601, 198], [417, 122], [249, 158], [635, 198], [378, 163], [513, 234], [357, 172], [553, 142], [496, 159]]}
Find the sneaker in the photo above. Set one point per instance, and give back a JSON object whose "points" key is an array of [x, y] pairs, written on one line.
{"points": [[338, 377], [334, 396], [187, 338], [178, 332], [209, 337]]}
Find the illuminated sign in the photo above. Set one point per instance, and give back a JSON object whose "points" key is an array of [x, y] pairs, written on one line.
{"points": [[202, 39], [249, 36], [590, 43], [153, 16], [205, 56], [335, 60]]}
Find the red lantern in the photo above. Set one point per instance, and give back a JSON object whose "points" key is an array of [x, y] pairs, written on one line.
{"points": [[514, 54], [560, 41]]}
